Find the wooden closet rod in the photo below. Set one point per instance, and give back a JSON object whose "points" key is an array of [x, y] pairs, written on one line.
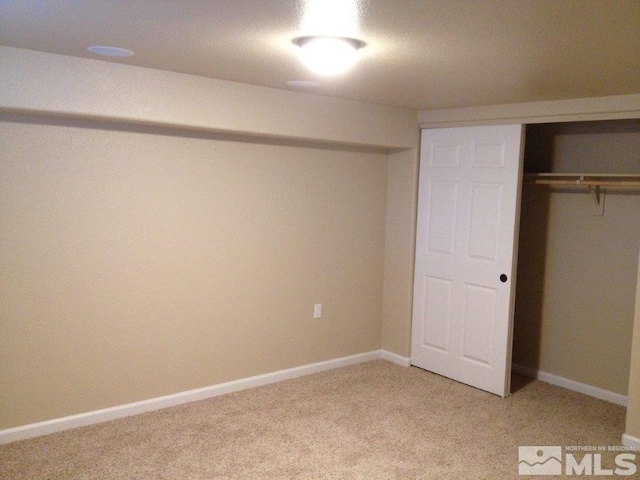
{"points": [[584, 180]]}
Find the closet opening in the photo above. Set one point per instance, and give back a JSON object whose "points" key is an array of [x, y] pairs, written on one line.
{"points": [[578, 256]]}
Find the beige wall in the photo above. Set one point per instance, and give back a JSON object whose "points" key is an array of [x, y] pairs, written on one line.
{"points": [[577, 272], [138, 262], [59, 85], [402, 191], [163, 232], [633, 409]]}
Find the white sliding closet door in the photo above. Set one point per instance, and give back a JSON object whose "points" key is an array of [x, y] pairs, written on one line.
{"points": [[466, 247]]}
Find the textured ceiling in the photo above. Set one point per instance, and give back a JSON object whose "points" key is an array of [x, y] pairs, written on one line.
{"points": [[420, 54]]}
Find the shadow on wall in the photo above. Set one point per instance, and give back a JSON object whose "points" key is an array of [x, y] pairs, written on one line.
{"points": [[532, 251]]}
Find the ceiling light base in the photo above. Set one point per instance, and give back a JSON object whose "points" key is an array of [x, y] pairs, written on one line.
{"points": [[326, 55]]}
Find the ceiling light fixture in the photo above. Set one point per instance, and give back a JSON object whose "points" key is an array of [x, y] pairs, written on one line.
{"points": [[328, 55]]}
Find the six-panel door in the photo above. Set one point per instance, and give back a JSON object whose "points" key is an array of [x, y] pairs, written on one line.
{"points": [[468, 207]]}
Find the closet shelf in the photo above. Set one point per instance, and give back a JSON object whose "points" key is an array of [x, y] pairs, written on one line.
{"points": [[584, 180], [597, 183]]}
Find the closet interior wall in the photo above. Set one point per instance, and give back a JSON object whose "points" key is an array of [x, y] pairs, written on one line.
{"points": [[576, 283]]}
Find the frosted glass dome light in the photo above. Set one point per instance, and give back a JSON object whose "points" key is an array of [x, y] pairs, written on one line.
{"points": [[328, 55]]}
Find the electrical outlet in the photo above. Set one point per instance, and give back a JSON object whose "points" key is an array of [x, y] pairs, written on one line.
{"points": [[317, 310]]}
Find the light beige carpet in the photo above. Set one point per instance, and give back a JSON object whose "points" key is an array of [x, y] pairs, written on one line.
{"points": [[374, 420]]}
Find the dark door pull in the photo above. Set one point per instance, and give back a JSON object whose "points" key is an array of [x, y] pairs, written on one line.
{"points": [[503, 278]]}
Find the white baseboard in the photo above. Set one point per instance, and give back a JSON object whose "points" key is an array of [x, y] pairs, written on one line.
{"points": [[571, 385], [98, 416], [395, 358], [630, 441]]}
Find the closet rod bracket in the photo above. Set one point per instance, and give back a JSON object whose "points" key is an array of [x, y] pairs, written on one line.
{"points": [[595, 193], [598, 197]]}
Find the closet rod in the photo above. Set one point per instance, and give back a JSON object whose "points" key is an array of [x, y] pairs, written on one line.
{"points": [[584, 180]]}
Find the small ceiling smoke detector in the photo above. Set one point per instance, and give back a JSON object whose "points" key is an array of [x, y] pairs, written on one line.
{"points": [[107, 51], [328, 55], [302, 84]]}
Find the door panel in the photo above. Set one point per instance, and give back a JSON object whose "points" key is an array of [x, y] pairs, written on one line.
{"points": [[468, 208], [479, 314], [443, 201], [484, 223], [437, 314]]}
